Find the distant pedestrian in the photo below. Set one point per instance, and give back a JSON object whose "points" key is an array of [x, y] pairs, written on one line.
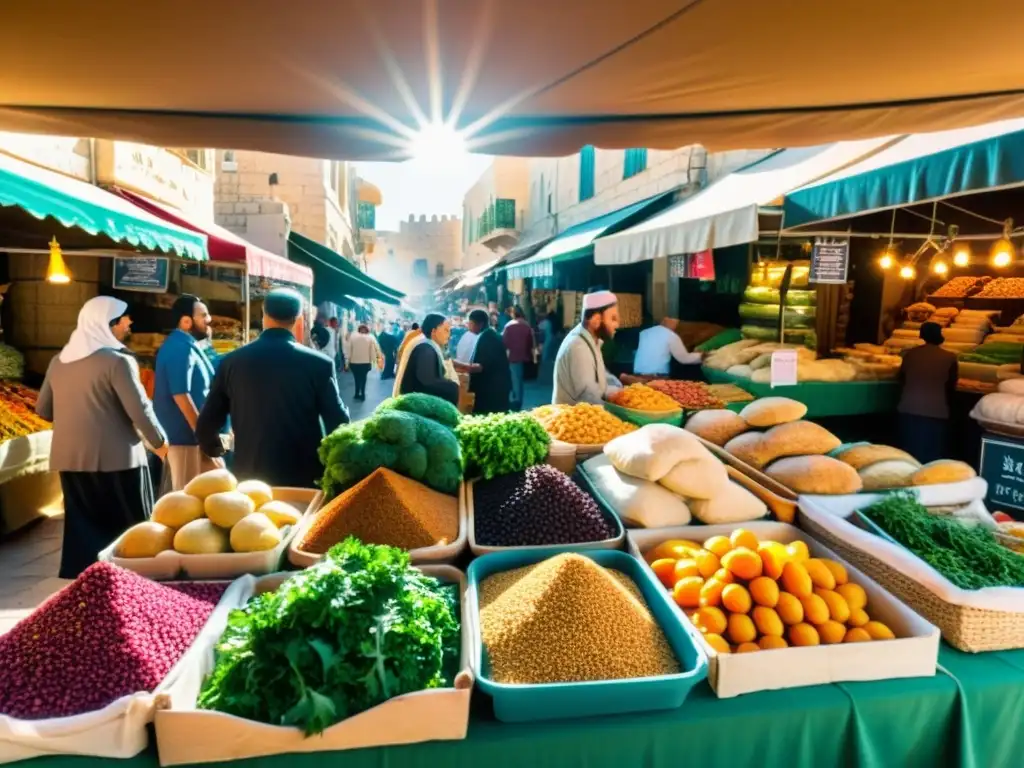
{"points": [[362, 354], [490, 379], [422, 368], [388, 346], [518, 338]]}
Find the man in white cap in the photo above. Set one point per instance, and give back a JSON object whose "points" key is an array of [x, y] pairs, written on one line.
{"points": [[580, 375]]}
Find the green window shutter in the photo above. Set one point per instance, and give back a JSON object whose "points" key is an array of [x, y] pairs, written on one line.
{"points": [[587, 172], [505, 213], [366, 215], [635, 162]]}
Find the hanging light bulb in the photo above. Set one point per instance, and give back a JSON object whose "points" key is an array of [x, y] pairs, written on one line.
{"points": [[886, 261], [961, 254], [907, 272], [1002, 253], [940, 267], [57, 271]]}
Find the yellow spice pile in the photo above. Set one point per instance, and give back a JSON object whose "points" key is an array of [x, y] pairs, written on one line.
{"points": [[567, 619], [582, 424]]}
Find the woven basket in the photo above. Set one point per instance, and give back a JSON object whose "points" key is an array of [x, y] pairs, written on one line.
{"points": [[968, 629]]}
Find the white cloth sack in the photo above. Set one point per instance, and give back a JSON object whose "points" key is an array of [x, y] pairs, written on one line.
{"points": [[651, 451], [639, 503], [732, 504], [119, 729], [703, 477]]}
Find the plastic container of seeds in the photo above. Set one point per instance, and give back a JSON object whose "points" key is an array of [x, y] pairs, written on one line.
{"points": [[555, 701]]}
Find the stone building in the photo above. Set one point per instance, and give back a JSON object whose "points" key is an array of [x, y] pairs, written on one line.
{"points": [[494, 211], [420, 256]]}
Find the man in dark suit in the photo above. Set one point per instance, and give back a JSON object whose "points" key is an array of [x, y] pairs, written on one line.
{"points": [[281, 397]]}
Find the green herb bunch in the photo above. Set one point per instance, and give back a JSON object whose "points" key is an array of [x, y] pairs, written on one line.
{"points": [[356, 629], [501, 443], [970, 557]]}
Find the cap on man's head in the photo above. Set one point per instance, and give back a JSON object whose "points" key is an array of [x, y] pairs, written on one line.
{"points": [[599, 300], [283, 305]]}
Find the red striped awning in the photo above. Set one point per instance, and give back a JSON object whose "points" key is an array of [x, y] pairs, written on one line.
{"points": [[225, 246]]}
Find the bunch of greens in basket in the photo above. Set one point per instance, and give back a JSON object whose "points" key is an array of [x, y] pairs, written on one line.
{"points": [[501, 443], [356, 629]]}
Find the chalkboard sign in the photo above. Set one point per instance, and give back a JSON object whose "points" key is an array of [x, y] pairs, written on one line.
{"points": [[1002, 467], [830, 262], [145, 273]]}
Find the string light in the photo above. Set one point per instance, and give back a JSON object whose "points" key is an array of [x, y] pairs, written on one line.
{"points": [[907, 272], [886, 261], [1002, 253], [940, 267], [962, 255]]}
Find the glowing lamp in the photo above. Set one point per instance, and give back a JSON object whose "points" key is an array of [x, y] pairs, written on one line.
{"points": [[1002, 253], [940, 267], [962, 255], [57, 271], [907, 272], [886, 261]]}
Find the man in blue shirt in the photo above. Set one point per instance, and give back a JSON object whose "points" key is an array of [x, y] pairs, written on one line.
{"points": [[183, 377]]}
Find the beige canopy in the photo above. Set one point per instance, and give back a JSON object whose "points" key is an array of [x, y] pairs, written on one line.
{"points": [[340, 78]]}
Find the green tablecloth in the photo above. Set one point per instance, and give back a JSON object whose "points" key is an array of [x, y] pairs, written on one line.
{"points": [[968, 716], [843, 398]]}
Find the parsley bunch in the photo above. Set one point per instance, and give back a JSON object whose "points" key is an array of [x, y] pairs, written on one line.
{"points": [[501, 443], [356, 629], [970, 557]]}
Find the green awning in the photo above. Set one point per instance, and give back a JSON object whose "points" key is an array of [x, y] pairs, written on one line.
{"points": [[918, 168], [577, 242], [339, 262], [331, 282], [77, 204]]}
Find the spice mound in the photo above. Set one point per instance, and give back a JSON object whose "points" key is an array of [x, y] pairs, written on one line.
{"points": [[389, 509], [581, 424], [567, 619], [538, 506], [641, 397], [108, 634]]}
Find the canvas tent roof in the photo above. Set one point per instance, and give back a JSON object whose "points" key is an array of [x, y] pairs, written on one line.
{"points": [[531, 77]]}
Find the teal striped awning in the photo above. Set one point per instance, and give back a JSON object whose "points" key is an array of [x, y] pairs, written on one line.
{"points": [[76, 204], [577, 242], [919, 168]]}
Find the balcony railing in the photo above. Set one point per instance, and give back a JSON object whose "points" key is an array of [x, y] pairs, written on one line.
{"points": [[499, 215]]}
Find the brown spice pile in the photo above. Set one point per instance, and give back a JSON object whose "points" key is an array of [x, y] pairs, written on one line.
{"points": [[386, 508], [567, 619]]}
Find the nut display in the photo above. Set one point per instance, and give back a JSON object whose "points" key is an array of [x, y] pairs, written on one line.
{"points": [[1003, 288], [692, 395], [641, 397], [958, 287], [581, 424]]}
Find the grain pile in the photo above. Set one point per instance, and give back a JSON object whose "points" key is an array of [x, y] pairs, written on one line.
{"points": [[538, 506], [567, 619], [386, 508]]}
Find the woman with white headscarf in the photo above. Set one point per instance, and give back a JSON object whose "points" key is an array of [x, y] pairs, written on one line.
{"points": [[94, 397]]}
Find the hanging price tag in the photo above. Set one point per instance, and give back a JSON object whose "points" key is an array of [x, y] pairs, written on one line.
{"points": [[784, 368]]}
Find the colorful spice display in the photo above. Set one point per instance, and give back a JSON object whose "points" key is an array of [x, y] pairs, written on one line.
{"points": [[108, 634], [691, 395], [567, 619], [18, 411], [387, 509], [641, 397], [581, 424]]}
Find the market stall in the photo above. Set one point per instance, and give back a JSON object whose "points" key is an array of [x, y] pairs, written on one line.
{"points": [[792, 635]]}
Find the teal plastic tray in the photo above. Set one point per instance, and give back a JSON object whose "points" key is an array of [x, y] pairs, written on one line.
{"points": [[558, 701]]}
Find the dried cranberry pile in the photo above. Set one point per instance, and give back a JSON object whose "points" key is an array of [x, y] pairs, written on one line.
{"points": [[108, 634], [205, 591], [537, 507]]}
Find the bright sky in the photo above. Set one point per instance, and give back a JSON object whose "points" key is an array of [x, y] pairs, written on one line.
{"points": [[422, 185]]}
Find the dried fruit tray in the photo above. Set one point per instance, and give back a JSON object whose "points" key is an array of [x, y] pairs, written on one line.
{"points": [[555, 701], [442, 554], [186, 735], [119, 730], [914, 653], [616, 542], [228, 565]]}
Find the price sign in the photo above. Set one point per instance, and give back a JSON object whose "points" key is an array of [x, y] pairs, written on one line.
{"points": [[830, 262], [784, 363], [1002, 467], [150, 274]]}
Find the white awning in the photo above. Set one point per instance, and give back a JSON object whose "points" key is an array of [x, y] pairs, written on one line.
{"points": [[726, 213], [476, 275]]}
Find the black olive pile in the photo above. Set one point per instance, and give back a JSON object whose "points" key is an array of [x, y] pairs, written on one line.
{"points": [[534, 508]]}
